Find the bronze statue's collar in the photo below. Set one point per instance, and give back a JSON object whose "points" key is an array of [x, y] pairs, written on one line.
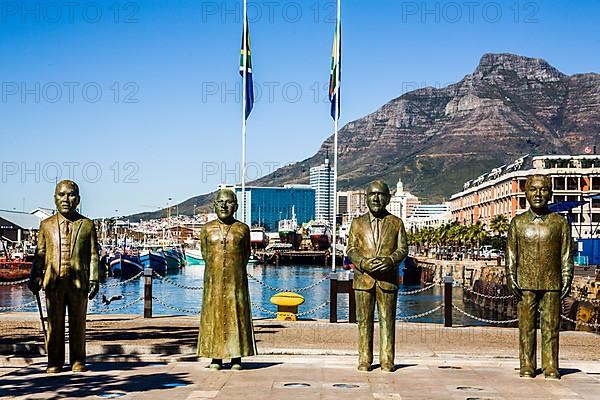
{"points": [[533, 216], [373, 217]]}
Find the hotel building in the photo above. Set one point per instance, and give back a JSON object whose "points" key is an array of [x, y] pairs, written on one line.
{"points": [[502, 191]]}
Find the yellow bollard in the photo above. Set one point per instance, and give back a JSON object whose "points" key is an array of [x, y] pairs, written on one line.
{"points": [[287, 305]]}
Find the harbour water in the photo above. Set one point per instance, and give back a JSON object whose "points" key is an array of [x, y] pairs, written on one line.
{"points": [[172, 299]]}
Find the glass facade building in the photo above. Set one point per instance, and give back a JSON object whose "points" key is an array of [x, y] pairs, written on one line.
{"points": [[266, 206]]}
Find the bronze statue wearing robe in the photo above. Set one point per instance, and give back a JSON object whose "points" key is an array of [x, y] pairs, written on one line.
{"points": [[226, 329]]}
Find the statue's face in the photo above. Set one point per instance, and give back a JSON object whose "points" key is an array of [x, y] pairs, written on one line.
{"points": [[225, 205], [66, 198], [538, 193], [377, 198]]}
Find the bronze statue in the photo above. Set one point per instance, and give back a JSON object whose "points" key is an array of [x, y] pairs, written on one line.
{"points": [[539, 273], [226, 329], [376, 246], [66, 266]]}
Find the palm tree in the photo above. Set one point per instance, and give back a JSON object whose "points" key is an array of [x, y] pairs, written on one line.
{"points": [[476, 235], [499, 225]]}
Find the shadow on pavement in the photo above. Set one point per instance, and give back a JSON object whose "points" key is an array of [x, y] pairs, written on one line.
{"points": [[32, 381]]}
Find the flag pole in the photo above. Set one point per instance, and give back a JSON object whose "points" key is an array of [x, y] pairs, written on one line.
{"points": [[244, 89], [335, 139]]}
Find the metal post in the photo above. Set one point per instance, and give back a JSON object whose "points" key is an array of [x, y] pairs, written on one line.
{"points": [[448, 300], [148, 293], [333, 286]]}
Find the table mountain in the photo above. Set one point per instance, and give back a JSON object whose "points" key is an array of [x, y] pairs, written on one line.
{"points": [[437, 138]]}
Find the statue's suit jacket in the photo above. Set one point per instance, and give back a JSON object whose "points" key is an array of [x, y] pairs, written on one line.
{"points": [[84, 252], [361, 245]]}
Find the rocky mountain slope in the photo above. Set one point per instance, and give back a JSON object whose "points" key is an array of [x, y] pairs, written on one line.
{"points": [[436, 139]]}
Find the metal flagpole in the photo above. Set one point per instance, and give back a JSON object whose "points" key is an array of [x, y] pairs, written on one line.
{"points": [[244, 89], [335, 138]]}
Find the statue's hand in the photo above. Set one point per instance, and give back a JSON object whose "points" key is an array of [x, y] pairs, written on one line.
{"points": [[383, 264], [35, 284], [565, 288], [514, 288], [94, 286]]}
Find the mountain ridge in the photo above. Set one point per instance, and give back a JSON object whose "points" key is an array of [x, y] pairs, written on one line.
{"points": [[437, 138]]}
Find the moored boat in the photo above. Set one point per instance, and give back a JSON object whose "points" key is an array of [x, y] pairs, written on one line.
{"points": [[14, 270], [125, 265], [258, 237], [320, 235], [154, 260], [288, 231], [194, 257]]}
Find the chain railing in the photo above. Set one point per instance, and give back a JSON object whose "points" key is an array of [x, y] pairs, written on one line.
{"points": [[20, 306], [312, 310], [14, 283], [417, 291], [489, 321], [173, 283], [106, 309], [260, 308], [120, 283], [595, 326], [294, 290], [421, 315], [487, 296], [179, 309]]}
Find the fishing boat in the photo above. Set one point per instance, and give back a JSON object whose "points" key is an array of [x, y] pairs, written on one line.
{"points": [[194, 257], [174, 257], [320, 235], [288, 231], [125, 265], [14, 270], [155, 260], [258, 237]]}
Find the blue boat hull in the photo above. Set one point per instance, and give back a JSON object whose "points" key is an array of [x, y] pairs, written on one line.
{"points": [[155, 261], [125, 266]]}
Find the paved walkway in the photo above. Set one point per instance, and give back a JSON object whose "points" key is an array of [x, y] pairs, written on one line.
{"points": [[304, 377], [154, 358]]}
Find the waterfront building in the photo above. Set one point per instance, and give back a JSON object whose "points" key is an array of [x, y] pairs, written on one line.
{"points": [[502, 191], [322, 180], [428, 215], [16, 226], [402, 202], [351, 204], [266, 206]]}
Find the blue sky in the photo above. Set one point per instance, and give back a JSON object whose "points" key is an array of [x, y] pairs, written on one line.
{"points": [[136, 100]]}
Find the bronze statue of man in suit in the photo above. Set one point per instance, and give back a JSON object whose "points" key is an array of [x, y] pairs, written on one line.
{"points": [[539, 273], [66, 266], [376, 246], [226, 329]]}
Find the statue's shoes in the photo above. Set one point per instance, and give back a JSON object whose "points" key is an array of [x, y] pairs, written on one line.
{"points": [[53, 370], [236, 367], [215, 366], [387, 367], [527, 373], [79, 366], [552, 374], [365, 367]]}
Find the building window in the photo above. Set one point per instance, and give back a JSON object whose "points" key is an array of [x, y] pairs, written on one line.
{"points": [[558, 199], [595, 182], [572, 183], [572, 198], [522, 185], [595, 203], [559, 183], [522, 203], [596, 217]]}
